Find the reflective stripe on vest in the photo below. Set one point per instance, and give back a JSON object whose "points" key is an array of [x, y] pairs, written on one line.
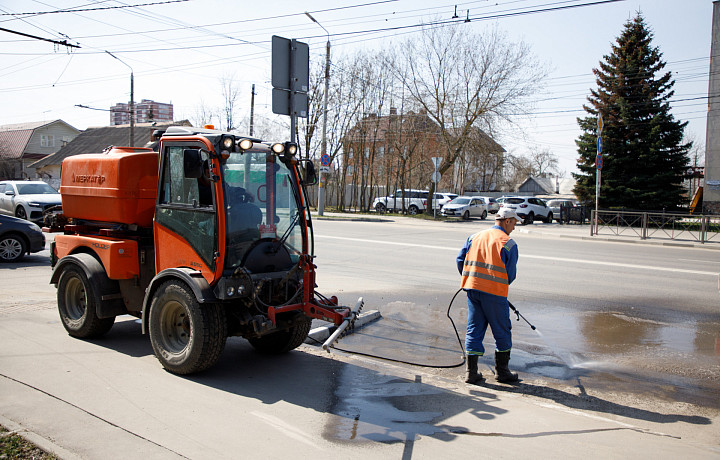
{"points": [[484, 269]]}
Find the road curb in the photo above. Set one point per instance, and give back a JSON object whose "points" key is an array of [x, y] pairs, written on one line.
{"points": [[319, 334], [43, 443]]}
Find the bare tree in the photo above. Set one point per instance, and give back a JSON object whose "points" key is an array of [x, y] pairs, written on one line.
{"points": [[544, 163], [230, 93], [203, 115], [463, 79]]}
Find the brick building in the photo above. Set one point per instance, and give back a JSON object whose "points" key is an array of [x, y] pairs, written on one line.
{"points": [[146, 111], [397, 150]]}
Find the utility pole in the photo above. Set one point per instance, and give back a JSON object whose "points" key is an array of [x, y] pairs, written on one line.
{"points": [[252, 108], [321, 182], [132, 100]]}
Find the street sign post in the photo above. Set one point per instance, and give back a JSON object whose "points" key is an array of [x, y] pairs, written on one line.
{"points": [[290, 79], [598, 172], [435, 178]]}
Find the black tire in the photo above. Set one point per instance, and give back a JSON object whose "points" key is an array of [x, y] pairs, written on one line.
{"points": [[413, 210], [484, 215], [466, 215], [20, 213], [77, 303], [186, 336], [12, 248], [380, 208], [283, 341], [529, 219], [549, 218]]}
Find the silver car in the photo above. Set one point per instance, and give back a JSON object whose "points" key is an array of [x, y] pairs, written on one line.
{"points": [[27, 199], [465, 207], [492, 204], [556, 204]]}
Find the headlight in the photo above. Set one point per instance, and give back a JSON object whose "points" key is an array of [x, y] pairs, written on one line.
{"points": [[35, 204]]}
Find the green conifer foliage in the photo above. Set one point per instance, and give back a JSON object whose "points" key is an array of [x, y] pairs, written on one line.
{"points": [[644, 157]]}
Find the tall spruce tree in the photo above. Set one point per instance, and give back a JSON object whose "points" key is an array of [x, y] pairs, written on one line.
{"points": [[644, 157]]}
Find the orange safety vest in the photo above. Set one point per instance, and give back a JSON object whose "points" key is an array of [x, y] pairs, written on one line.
{"points": [[484, 269]]}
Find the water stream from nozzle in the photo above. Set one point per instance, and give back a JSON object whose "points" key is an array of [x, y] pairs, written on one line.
{"points": [[571, 360]]}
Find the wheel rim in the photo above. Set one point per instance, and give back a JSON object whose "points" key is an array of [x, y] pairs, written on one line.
{"points": [[21, 213], [174, 327], [75, 299], [10, 248], [412, 211]]}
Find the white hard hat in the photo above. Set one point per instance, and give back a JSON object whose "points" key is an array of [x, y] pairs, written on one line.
{"points": [[507, 213]]}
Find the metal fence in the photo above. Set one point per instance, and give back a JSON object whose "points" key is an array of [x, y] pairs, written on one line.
{"points": [[662, 225]]}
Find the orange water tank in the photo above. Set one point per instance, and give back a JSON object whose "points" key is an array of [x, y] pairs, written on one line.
{"points": [[119, 185]]}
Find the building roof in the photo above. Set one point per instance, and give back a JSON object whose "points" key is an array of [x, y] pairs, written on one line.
{"points": [[13, 143], [547, 186], [27, 125], [379, 128], [95, 140], [14, 138]]}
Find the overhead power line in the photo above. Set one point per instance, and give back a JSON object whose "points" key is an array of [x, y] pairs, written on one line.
{"points": [[63, 43], [78, 10]]}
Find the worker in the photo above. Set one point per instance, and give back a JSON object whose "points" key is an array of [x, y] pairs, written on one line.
{"points": [[205, 186], [488, 264]]}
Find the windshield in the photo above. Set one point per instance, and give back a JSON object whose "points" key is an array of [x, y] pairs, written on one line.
{"points": [[35, 189], [460, 201], [260, 203], [514, 200]]}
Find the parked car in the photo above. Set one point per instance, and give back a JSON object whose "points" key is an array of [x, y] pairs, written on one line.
{"points": [[465, 207], [442, 198], [491, 203], [415, 201], [529, 208], [555, 206], [27, 199], [19, 237]]}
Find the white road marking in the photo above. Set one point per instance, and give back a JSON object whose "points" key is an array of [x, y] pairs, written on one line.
{"points": [[528, 256], [286, 428]]}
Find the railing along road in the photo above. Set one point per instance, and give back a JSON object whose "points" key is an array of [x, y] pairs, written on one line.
{"points": [[664, 225]]}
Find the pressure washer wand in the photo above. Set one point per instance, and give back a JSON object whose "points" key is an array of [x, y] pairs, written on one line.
{"points": [[519, 315]]}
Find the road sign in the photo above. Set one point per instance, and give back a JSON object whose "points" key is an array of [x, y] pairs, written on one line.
{"points": [[324, 169], [281, 103], [436, 177], [325, 159], [600, 123], [295, 76], [599, 145], [290, 78], [599, 162], [436, 161]]}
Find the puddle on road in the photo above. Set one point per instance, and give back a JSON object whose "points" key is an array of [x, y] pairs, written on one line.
{"points": [[612, 349], [367, 410]]}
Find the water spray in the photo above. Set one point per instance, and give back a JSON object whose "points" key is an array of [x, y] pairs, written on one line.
{"points": [[519, 315]]}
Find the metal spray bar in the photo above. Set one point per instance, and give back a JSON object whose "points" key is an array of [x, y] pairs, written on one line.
{"points": [[344, 325]]}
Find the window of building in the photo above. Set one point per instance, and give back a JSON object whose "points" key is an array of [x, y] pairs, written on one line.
{"points": [[381, 152], [367, 152], [47, 140], [350, 153], [350, 170]]}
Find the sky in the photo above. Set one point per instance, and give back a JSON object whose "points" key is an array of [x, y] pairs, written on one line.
{"points": [[179, 50]]}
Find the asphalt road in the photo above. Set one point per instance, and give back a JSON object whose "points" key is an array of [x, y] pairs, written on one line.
{"points": [[611, 316], [646, 318]]}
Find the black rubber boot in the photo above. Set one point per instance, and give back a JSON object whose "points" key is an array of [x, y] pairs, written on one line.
{"points": [[502, 372], [473, 376]]}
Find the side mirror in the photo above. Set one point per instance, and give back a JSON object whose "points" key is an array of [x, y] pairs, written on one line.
{"points": [[10, 192], [307, 171], [192, 163]]}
